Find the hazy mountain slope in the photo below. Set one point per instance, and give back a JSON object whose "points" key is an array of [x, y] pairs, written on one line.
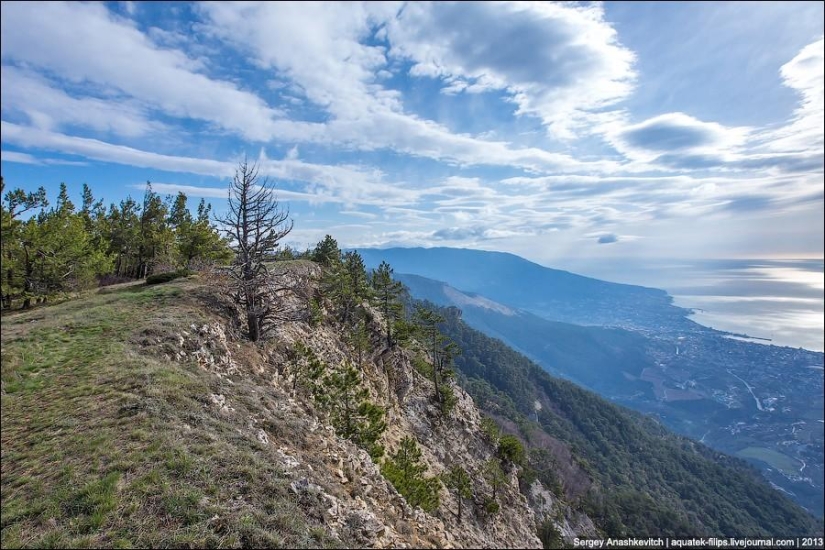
{"points": [[691, 381], [550, 293], [644, 480], [593, 356]]}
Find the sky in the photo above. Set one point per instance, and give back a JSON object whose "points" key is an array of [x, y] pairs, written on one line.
{"points": [[551, 130]]}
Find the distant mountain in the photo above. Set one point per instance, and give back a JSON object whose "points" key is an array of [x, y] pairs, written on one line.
{"points": [[623, 469], [693, 381], [592, 356], [550, 293]]}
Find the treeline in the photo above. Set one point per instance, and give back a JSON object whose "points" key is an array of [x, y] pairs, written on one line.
{"points": [[64, 247]]}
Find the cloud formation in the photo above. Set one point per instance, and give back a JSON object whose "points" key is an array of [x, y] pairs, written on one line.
{"points": [[575, 62], [394, 123]]}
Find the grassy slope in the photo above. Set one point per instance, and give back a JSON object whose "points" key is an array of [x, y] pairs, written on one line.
{"points": [[103, 445]]}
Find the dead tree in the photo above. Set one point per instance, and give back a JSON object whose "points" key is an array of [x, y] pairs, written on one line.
{"points": [[255, 224]]}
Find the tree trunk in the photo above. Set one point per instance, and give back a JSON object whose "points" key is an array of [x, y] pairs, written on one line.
{"points": [[253, 323]]}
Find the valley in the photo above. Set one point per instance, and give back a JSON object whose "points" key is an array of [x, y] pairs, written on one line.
{"points": [[762, 403]]}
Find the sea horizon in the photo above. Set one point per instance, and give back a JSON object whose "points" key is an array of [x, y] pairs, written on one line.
{"points": [[775, 302]]}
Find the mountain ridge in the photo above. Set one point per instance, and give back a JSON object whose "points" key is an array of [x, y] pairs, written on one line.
{"points": [[554, 294], [691, 380]]}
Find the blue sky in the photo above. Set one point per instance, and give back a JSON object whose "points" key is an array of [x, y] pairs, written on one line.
{"points": [[572, 130]]}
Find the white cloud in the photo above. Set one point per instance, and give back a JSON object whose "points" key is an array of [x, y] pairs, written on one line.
{"points": [[804, 73], [324, 183], [557, 61], [336, 71], [28, 137], [86, 43], [674, 134], [20, 158], [25, 158], [50, 108]]}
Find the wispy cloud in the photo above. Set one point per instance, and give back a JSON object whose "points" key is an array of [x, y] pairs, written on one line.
{"points": [[117, 57], [393, 123], [575, 64]]}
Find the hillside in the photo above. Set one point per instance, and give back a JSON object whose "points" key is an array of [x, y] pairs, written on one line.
{"points": [[138, 416], [624, 470], [690, 381], [590, 356], [553, 294]]}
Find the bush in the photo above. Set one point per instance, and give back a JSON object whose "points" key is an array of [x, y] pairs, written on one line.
{"points": [[167, 276], [448, 400], [423, 366], [550, 536], [511, 449], [491, 506]]}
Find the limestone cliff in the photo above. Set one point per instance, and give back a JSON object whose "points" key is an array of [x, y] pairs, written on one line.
{"points": [[337, 483]]}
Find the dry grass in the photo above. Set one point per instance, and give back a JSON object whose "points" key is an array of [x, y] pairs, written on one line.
{"points": [[107, 445]]}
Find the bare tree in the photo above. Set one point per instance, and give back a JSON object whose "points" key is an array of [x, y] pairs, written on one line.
{"points": [[255, 223]]}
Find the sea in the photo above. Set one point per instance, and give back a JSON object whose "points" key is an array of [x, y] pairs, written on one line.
{"points": [[779, 302]]}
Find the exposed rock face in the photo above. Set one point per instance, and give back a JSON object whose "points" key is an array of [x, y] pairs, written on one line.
{"points": [[335, 481], [568, 523]]}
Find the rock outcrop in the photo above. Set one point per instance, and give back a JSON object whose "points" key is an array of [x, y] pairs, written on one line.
{"points": [[334, 481]]}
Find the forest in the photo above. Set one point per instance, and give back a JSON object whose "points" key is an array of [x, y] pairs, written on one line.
{"points": [[55, 248], [625, 470]]}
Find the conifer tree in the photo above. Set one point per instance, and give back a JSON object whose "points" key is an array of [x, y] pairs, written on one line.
{"points": [[354, 289], [352, 415], [459, 481], [255, 223], [310, 373], [406, 473], [327, 252], [358, 337], [386, 294], [494, 476], [15, 203], [428, 321]]}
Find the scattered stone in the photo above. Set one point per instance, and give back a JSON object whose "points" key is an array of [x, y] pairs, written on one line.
{"points": [[341, 475], [303, 486]]}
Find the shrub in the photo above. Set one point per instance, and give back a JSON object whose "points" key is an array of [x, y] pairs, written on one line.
{"points": [[448, 400], [491, 506], [167, 276], [511, 449]]}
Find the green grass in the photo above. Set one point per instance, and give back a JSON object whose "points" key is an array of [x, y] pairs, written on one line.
{"points": [[107, 444], [773, 458]]}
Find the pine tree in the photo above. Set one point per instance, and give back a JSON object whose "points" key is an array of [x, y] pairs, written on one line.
{"points": [[459, 481], [13, 280], [358, 337], [406, 473], [123, 235], [310, 373], [494, 476], [155, 236], [387, 292], [327, 252], [428, 321], [511, 450], [255, 223], [354, 289], [196, 239], [352, 415]]}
